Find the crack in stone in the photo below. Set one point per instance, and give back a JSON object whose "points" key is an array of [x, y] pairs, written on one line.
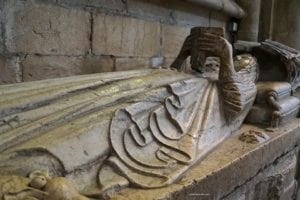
{"points": [[91, 51]]}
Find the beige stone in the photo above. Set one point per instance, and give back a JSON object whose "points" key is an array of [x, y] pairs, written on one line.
{"points": [[8, 70], [45, 67], [167, 62], [123, 36], [47, 29], [97, 64], [217, 176], [172, 39], [131, 63]]}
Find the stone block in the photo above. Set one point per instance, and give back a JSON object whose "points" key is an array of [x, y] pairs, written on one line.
{"points": [[98, 64], [47, 29], [123, 64], [288, 38], [172, 39], [8, 70], [177, 12], [45, 67], [187, 14], [123, 36], [113, 5], [159, 10]]}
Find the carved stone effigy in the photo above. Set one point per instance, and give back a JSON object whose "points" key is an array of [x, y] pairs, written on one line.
{"points": [[103, 132]]}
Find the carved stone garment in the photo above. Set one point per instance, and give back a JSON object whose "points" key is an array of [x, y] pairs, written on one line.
{"points": [[286, 59], [238, 89], [148, 126], [155, 142]]}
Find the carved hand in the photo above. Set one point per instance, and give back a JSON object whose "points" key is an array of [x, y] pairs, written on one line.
{"points": [[217, 46]]}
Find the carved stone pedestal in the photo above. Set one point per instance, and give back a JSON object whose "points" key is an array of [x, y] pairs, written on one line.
{"points": [[238, 170]]}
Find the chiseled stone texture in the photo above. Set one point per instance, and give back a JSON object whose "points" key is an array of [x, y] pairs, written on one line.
{"points": [[172, 39], [123, 36], [131, 63], [133, 31], [45, 67], [9, 70], [47, 29], [276, 181], [238, 171]]}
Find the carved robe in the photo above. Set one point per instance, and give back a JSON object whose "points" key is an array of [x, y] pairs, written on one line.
{"points": [[150, 126]]}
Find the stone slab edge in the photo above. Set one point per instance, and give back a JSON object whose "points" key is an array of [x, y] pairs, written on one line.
{"points": [[231, 165]]}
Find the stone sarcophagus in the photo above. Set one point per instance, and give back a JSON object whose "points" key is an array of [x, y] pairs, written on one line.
{"points": [[104, 132]]}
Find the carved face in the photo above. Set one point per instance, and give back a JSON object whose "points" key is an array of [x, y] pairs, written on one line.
{"points": [[212, 64]]}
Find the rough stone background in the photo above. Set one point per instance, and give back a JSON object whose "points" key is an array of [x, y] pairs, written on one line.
{"points": [[278, 20], [42, 39]]}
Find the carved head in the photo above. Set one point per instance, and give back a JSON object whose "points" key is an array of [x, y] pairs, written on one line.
{"points": [[38, 179]]}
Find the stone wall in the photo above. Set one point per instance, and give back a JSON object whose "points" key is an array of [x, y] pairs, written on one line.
{"points": [[43, 39], [271, 19], [287, 22]]}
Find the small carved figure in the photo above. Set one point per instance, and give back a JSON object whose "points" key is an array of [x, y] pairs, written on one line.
{"points": [[39, 186], [18, 188], [57, 188]]}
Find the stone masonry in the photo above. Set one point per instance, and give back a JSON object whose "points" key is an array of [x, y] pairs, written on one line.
{"points": [[42, 39]]}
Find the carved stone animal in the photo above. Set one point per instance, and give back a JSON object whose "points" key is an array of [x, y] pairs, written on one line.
{"points": [[57, 188], [17, 188]]}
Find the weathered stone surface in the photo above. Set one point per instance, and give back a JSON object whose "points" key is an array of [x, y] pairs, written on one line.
{"points": [[167, 62], [131, 63], [111, 5], [275, 181], [172, 39], [9, 72], [186, 14], [45, 67], [2, 46], [155, 10], [177, 12], [47, 29], [287, 25], [123, 36], [218, 176], [289, 38], [186, 67]]}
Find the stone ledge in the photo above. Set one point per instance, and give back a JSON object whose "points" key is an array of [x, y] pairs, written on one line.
{"points": [[231, 166]]}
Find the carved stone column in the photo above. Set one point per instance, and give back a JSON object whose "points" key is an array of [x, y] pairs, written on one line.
{"points": [[249, 26]]}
